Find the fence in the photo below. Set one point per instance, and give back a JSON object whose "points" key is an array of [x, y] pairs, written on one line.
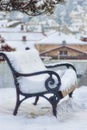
{"points": [[6, 79]]}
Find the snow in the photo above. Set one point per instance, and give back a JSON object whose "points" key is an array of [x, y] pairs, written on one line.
{"points": [[72, 113], [68, 79], [3, 23], [35, 84], [20, 58], [12, 23], [57, 38], [14, 37]]}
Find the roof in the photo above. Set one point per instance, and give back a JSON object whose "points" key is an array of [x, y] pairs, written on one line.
{"points": [[57, 38], [14, 37]]}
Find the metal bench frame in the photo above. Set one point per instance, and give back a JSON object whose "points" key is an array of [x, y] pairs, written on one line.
{"points": [[56, 95]]}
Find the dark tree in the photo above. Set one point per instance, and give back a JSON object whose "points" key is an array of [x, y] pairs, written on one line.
{"points": [[30, 7]]}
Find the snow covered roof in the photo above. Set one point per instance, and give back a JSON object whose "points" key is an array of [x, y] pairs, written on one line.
{"points": [[12, 23], [17, 36], [3, 23], [58, 38], [14, 37], [84, 35]]}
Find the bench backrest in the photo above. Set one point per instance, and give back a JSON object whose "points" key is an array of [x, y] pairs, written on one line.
{"points": [[26, 61]]}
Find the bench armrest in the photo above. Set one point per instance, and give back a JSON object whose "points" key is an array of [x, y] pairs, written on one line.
{"points": [[67, 65], [52, 83]]}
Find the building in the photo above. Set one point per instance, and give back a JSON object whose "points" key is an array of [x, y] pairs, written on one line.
{"points": [[63, 47], [20, 39]]}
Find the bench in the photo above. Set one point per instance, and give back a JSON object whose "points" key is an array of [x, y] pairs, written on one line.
{"points": [[33, 79]]}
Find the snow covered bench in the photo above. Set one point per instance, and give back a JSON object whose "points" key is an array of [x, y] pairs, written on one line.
{"points": [[33, 78]]}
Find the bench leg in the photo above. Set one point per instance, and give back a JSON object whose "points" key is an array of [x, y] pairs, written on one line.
{"points": [[54, 107], [18, 102], [36, 100], [70, 94], [16, 109], [54, 101]]}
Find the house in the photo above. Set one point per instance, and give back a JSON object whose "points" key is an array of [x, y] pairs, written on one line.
{"points": [[62, 46], [4, 47], [19, 39], [62, 52], [84, 38]]}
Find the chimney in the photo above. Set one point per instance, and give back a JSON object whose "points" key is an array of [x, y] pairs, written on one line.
{"points": [[24, 38]]}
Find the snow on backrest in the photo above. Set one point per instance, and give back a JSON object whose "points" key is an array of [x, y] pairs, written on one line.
{"points": [[26, 61]]}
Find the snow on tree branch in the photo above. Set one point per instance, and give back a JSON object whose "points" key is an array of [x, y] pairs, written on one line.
{"points": [[30, 7]]}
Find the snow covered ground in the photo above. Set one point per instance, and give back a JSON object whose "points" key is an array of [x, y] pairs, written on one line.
{"points": [[72, 113]]}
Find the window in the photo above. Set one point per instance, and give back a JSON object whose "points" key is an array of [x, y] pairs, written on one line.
{"points": [[63, 53]]}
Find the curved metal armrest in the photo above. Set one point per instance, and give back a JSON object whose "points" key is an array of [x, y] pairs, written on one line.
{"points": [[38, 73], [68, 65], [50, 82]]}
